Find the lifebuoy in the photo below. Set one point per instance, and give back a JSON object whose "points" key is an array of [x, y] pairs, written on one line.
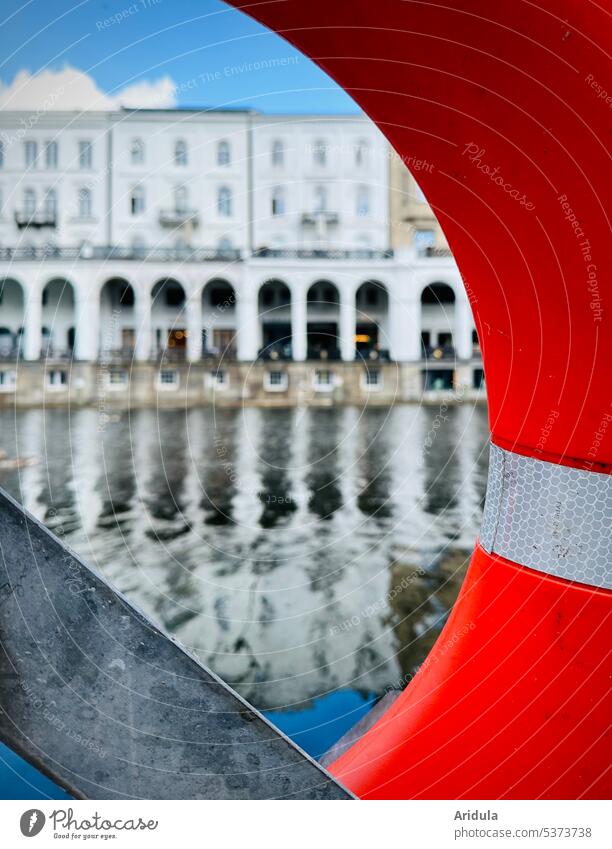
{"points": [[508, 102]]}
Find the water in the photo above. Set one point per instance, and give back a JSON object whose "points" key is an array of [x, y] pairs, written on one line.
{"points": [[268, 540]]}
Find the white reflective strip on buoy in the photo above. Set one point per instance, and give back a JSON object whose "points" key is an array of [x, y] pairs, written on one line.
{"points": [[549, 517]]}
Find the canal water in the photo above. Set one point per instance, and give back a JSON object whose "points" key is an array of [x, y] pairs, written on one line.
{"points": [[309, 556]]}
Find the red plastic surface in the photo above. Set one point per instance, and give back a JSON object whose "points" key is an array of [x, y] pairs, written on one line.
{"points": [[497, 108], [512, 701]]}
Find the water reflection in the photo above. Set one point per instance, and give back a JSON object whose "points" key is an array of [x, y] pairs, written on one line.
{"points": [[165, 489], [374, 473], [214, 455], [116, 483], [275, 460], [270, 541], [322, 477]]}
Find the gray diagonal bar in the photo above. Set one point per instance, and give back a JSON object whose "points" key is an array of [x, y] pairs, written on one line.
{"points": [[549, 517], [100, 699]]}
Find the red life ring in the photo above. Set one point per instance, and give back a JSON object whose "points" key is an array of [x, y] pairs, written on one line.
{"points": [[510, 102]]}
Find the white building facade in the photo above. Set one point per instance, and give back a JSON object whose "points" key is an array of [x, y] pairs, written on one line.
{"points": [[194, 236]]}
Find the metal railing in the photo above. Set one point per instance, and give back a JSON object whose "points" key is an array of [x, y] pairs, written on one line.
{"points": [[112, 252], [433, 252], [37, 218], [313, 218], [185, 254], [322, 253], [176, 217]]}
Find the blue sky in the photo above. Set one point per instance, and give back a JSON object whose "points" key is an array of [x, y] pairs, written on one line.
{"points": [[214, 55]]}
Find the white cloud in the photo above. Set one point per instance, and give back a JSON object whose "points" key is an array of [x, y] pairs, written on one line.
{"points": [[160, 94], [72, 89]]}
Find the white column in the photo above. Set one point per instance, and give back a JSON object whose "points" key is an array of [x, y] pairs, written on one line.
{"points": [[33, 325], [463, 328], [194, 328], [246, 325], [299, 336], [143, 324], [87, 327], [348, 319], [405, 329]]}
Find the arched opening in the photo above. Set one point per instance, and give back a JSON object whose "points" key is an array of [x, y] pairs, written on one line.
{"points": [[58, 318], [274, 312], [12, 311], [322, 321], [371, 330], [117, 318], [168, 320], [437, 321], [219, 319]]}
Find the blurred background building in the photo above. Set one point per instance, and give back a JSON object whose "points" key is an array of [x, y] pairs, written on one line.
{"points": [[257, 258]]}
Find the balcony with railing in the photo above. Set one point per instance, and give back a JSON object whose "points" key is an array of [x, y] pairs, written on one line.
{"points": [[433, 252], [37, 218], [177, 217], [321, 253], [321, 216]]}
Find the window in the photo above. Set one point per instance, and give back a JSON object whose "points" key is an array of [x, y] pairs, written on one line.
{"points": [[1, 154], [372, 379], [478, 379], [323, 380], [319, 153], [116, 378], [84, 203], [224, 201], [438, 380], [137, 152], [276, 381], [181, 199], [363, 201], [424, 239], [31, 154], [320, 199], [29, 201], [137, 200], [278, 153], [418, 194], [8, 381], [218, 379], [278, 201], [225, 244], [167, 379], [57, 378], [224, 154], [180, 153], [85, 155], [50, 204], [51, 154], [361, 153]]}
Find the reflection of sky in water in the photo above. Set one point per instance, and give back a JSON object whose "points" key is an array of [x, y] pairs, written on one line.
{"points": [[256, 535], [19, 780]]}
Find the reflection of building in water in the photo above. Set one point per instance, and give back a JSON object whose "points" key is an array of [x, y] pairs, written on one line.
{"points": [[147, 240], [286, 603]]}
